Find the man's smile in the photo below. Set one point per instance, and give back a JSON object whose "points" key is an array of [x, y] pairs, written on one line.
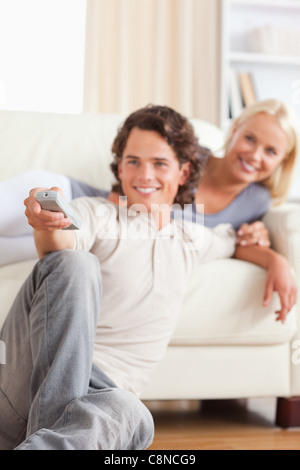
{"points": [[146, 190]]}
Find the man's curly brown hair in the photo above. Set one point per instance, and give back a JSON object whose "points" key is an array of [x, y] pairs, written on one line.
{"points": [[178, 133]]}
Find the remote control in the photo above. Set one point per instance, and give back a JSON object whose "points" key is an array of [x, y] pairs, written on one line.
{"points": [[52, 201]]}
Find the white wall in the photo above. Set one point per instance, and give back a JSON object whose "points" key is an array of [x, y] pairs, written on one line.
{"points": [[42, 55]]}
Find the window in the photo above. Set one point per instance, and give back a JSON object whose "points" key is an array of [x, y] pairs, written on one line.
{"points": [[42, 55]]}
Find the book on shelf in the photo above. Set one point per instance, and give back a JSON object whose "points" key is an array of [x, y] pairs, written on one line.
{"points": [[241, 92], [247, 88], [236, 101]]}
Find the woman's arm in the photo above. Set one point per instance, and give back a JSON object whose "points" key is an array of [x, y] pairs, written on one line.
{"points": [[279, 277]]}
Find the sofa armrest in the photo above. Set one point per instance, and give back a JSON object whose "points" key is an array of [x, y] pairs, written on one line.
{"points": [[283, 223]]}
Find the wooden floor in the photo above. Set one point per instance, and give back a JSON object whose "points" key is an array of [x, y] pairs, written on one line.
{"points": [[217, 425]]}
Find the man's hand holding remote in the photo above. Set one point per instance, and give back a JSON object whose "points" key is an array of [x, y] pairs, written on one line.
{"points": [[48, 225]]}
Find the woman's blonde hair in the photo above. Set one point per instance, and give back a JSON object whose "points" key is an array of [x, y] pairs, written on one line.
{"points": [[279, 182]]}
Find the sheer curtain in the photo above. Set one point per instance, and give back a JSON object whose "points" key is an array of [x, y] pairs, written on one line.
{"points": [[152, 51]]}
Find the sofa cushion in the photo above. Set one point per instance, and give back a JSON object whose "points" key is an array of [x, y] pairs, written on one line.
{"points": [[75, 145], [206, 319], [11, 279]]}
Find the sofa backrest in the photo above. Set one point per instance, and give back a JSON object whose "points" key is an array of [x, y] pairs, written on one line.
{"points": [[75, 145]]}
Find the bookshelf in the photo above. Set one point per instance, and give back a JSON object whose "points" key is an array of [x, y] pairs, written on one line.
{"points": [[260, 39]]}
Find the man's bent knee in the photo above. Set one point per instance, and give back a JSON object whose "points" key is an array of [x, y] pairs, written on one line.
{"points": [[71, 260], [136, 413], [71, 265], [73, 277]]}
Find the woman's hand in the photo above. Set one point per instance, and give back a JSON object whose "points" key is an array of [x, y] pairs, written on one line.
{"points": [[280, 280], [279, 276], [253, 234]]}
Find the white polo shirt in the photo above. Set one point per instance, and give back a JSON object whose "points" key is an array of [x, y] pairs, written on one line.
{"points": [[144, 274]]}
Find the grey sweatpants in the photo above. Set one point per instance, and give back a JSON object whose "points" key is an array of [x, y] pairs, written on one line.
{"points": [[51, 394]]}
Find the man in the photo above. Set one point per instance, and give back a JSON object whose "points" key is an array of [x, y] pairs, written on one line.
{"points": [[77, 377]]}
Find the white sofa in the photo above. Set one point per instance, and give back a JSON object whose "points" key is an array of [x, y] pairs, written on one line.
{"points": [[226, 345]]}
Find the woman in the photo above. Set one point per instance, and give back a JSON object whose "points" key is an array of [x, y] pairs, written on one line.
{"points": [[259, 157]]}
